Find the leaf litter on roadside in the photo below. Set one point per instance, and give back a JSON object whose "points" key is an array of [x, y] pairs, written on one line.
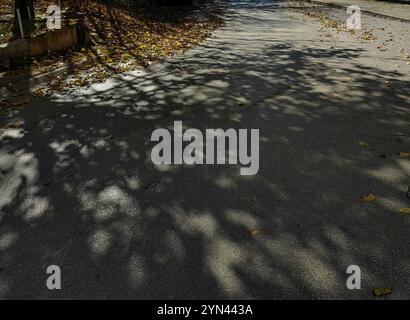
{"points": [[123, 37]]}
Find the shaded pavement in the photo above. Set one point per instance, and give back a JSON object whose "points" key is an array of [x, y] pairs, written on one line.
{"points": [[78, 188]]}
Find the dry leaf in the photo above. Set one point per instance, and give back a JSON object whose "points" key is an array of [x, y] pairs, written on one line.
{"points": [[378, 292], [253, 199], [369, 198], [255, 232], [363, 144], [405, 210], [404, 154], [39, 92]]}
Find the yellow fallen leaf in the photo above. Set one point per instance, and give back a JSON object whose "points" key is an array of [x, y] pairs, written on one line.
{"points": [[378, 292], [404, 154], [39, 92], [255, 232], [405, 210], [369, 198], [363, 144]]}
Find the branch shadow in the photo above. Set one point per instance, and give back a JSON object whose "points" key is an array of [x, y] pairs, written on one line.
{"points": [[78, 189]]}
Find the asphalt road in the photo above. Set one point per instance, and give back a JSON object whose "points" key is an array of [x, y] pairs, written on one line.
{"points": [[78, 188]]}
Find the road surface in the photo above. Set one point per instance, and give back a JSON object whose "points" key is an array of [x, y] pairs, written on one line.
{"points": [[78, 188]]}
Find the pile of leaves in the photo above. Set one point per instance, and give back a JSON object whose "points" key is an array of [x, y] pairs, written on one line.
{"points": [[122, 37], [6, 7]]}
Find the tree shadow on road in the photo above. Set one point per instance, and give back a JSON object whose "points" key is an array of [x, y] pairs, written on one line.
{"points": [[78, 188]]}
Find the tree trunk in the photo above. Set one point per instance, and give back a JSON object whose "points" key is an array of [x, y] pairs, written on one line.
{"points": [[26, 9]]}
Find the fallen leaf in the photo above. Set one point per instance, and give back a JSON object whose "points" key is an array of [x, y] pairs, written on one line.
{"points": [[405, 210], [404, 154], [253, 199], [363, 144], [39, 92], [378, 292], [255, 232], [369, 198]]}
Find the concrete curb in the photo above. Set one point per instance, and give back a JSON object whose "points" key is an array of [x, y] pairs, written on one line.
{"points": [[369, 12], [49, 41]]}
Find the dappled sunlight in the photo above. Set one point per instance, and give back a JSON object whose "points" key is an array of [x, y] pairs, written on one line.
{"points": [[137, 272], [21, 176], [222, 256], [113, 201], [392, 204], [395, 175], [100, 242], [78, 188], [34, 208], [7, 240]]}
